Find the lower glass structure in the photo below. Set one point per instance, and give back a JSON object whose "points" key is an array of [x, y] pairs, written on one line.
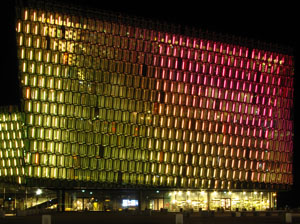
{"points": [[24, 198], [216, 200]]}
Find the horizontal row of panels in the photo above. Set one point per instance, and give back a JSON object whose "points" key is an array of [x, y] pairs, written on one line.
{"points": [[73, 53], [71, 91], [182, 138], [167, 160], [157, 112], [221, 123], [279, 162], [141, 179], [49, 62], [139, 149], [218, 88], [141, 88], [114, 134], [197, 107], [164, 127], [107, 32]]}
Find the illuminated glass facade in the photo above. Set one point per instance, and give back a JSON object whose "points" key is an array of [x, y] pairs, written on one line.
{"points": [[12, 146], [108, 102]]}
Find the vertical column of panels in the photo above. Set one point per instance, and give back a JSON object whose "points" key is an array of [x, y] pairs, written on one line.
{"points": [[115, 103], [11, 147]]}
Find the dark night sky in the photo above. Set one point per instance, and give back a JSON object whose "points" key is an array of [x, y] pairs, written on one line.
{"points": [[275, 23]]}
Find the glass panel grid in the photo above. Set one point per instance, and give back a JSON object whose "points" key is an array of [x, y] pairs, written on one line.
{"points": [[179, 111]]}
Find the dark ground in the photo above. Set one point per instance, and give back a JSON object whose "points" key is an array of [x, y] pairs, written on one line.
{"points": [[157, 218]]}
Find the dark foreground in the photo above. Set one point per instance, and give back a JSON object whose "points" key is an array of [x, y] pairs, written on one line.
{"points": [[153, 218]]}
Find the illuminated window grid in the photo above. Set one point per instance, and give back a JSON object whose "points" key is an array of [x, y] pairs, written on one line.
{"points": [[11, 147], [201, 82]]}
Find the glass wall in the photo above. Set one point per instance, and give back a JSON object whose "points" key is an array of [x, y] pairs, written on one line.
{"points": [[17, 197], [214, 200], [107, 102]]}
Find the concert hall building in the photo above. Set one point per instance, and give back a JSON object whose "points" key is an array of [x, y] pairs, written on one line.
{"points": [[118, 112]]}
